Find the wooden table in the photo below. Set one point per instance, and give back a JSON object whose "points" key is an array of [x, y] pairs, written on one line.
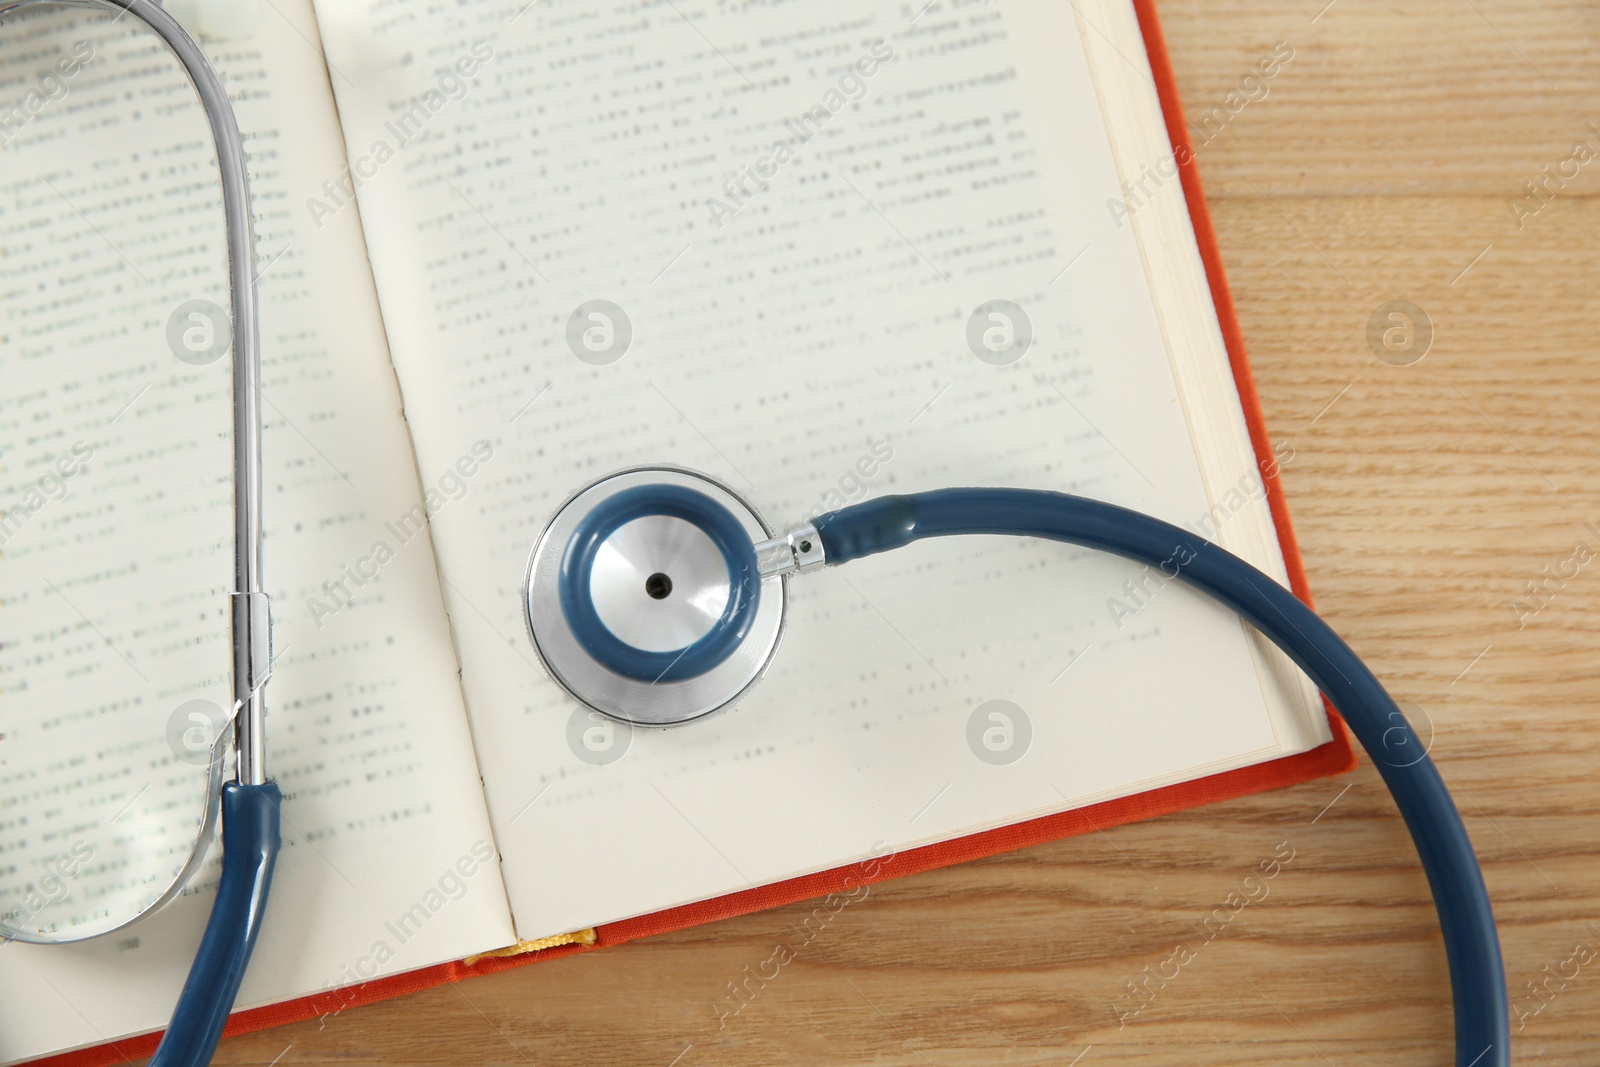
{"points": [[1380, 167]]}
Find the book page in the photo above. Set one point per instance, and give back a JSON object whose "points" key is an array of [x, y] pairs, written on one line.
{"points": [[801, 215], [116, 557], [1152, 204]]}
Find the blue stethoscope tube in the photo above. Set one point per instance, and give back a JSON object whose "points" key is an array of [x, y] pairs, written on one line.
{"points": [[1477, 973], [250, 824]]}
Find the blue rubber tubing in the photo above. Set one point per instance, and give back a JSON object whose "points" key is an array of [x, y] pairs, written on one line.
{"points": [[249, 851], [1477, 974], [700, 511]]}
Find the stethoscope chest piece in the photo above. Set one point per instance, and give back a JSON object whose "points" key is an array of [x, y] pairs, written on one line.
{"points": [[645, 599]]}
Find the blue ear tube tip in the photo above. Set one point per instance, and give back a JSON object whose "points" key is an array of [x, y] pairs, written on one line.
{"points": [[1477, 973], [724, 530], [250, 840]]}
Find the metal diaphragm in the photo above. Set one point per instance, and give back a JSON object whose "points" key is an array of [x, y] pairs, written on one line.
{"points": [[644, 599]]}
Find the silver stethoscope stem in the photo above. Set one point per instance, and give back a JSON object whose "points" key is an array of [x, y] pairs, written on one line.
{"points": [[252, 641], [251, 619]]}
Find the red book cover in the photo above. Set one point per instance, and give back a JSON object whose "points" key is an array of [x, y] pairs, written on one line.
{"points": [[1334, 757]]}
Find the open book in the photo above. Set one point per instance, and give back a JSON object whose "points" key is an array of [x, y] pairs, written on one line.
{"points": [[801, 217]]}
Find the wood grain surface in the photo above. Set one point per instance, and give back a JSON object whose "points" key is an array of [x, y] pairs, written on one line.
{"points": [[1379, 167]]}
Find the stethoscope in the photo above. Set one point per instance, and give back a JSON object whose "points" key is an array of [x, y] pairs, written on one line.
{"points": [[657, 596]]}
